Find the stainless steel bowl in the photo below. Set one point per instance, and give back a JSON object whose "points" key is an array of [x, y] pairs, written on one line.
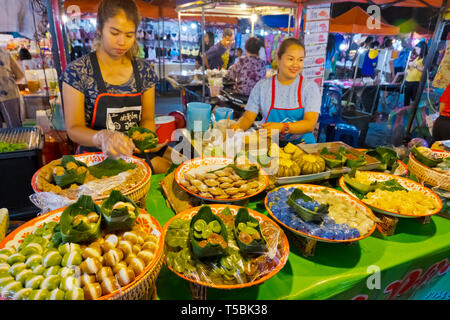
{"points": [[182, 79]]}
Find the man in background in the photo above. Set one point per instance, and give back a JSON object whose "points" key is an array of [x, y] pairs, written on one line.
{"points": [[218, 56]]}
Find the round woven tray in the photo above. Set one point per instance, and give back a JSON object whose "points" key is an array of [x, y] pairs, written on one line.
{"points": [[137, 193], [428, 175], [142, 288]]}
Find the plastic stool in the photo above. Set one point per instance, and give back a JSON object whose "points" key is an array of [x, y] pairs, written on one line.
{"points": [[328, 129], [345, 132]]}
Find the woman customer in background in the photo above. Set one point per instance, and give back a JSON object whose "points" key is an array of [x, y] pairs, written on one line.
{"points": [[414, 72], [248, 70]]}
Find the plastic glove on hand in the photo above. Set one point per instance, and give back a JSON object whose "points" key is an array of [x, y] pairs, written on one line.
{"points": [[113, 143]]}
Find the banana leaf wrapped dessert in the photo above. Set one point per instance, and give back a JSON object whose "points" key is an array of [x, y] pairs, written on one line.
{"points": [[69, 171], [143, 138], [119, 212], [306, 207], [248, 234], [207, 234], [80, 222]]}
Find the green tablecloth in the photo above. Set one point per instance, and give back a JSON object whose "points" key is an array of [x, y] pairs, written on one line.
{"points": [[411, 264]]}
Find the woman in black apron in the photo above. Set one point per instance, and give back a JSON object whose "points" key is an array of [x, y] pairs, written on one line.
{"points": [[109, 91]]}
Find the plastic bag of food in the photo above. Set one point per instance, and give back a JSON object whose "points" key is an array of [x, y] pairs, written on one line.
{"points": [[97, 188], [49, 201], [238, 265]]}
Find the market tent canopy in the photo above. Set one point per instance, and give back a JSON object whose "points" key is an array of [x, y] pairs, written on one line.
{"points": [[147, 10], [235, 8], [355, 21], [411, 26]]}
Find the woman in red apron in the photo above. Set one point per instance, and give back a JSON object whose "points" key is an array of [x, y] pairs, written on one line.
{"points": [[109, 90], [287, 102]]}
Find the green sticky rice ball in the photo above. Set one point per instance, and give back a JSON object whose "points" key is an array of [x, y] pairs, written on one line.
{"points": [[17, 268], [5, 280], [56, 294], [70, 283], [75, 294], [39, 294], [16, 257], [51, 282], [10, 289], [39, 269], [69, 247], [34, 282], [3, 257], [5, 274], [4, 267], [66, 271], [24, 275], [22, 294], [8, 251], [33, 261], [51, 258], [54, 270], [31, 248], [72, 258]]}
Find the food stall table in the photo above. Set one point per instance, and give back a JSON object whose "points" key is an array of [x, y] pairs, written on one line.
{"points": [[411, 264]]}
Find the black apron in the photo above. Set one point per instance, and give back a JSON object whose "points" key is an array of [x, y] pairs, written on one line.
{"points": [[113, 111]]}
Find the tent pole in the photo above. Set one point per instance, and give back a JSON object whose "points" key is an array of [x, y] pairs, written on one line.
{"points": [[427, 64], [203, 54], [253, 25], [179, 41], [55, 50], [298, 20], [289, 23]]}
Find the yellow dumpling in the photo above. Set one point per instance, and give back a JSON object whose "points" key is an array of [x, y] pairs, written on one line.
{"points": [[71, 165]]}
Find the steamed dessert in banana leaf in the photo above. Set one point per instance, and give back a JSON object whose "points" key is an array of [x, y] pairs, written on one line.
{"points": [[119, 212], [248, 233], [208, 235], [143, 138], [69, 172], [80, 221]]}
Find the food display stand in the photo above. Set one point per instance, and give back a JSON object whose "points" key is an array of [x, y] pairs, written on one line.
{"points": [[409, 264]]}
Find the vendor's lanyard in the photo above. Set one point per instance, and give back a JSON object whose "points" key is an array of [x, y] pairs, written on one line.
{"points": [[115, 111]]}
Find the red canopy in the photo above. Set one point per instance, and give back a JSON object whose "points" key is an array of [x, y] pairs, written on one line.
{"points": [[355, 21], [154, 10]]}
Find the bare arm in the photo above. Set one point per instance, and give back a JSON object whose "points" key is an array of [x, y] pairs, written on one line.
{"points": [[305, 125], [74, 116], [245, 121], [148, 110]]}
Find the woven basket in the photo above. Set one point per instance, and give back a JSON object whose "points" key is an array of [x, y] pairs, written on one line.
{"points": [[138, 193], [427, 175]]}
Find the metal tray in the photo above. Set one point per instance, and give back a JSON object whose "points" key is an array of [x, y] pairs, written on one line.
{"points": [[372, 163]]}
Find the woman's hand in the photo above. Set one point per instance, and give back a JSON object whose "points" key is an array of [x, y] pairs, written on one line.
{"points": [[158, 147], [113, 143], [273, 126]]}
